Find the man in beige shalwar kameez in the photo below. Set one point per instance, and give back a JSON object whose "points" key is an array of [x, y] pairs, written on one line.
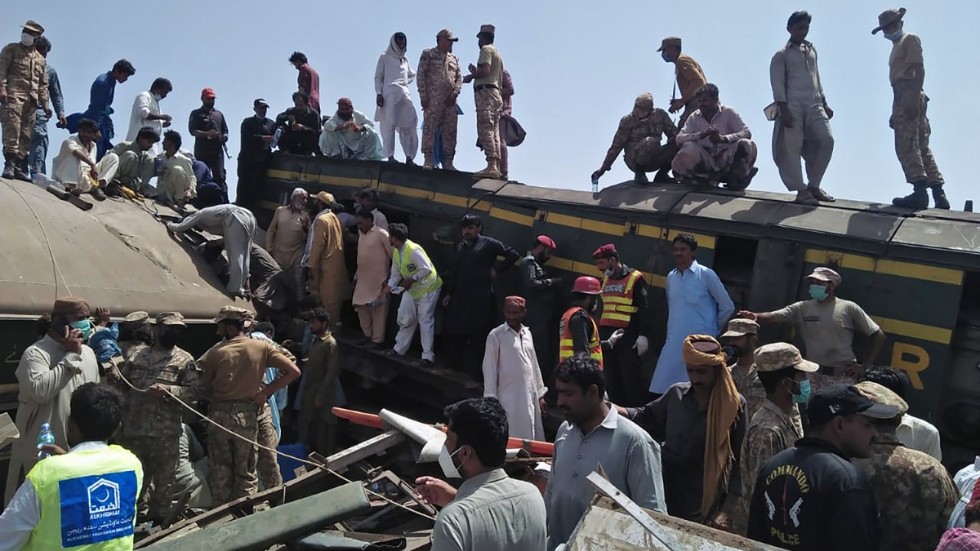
{"points": [[327, 270]]}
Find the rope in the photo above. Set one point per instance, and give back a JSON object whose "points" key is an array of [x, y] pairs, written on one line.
{"points": [[277, 452], [54, 262]]}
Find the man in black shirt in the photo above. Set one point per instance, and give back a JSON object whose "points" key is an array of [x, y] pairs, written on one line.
{"points": [[257, 136], [540, 290], [468, 295], [207, 125], [811, 497], [300, 127]]}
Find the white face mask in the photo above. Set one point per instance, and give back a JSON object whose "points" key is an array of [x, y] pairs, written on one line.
{"points": [[27, 39], [156, 96], [449, 468]]}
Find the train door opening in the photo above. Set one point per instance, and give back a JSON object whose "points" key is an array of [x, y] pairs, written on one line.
{"points": [[959, 420]]}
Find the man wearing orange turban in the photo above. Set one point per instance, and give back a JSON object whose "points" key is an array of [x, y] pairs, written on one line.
{"points": [[700, 425]]}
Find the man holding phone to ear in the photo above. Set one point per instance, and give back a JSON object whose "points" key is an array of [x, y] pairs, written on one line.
{"points": [[49, 371]]}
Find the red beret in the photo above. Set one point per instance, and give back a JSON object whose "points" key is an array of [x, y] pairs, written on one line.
{"points": [[547, 242], [606, 251]]}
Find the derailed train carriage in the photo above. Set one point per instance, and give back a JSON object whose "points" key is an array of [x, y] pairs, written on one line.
{"points": [[916, 273]]}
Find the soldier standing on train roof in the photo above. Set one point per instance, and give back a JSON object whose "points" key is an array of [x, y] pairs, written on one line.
{"points": [[827, 325], [624, 306], [690, 77]]}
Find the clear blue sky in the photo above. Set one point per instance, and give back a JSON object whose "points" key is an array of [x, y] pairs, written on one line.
{"points": [[577, 66]]}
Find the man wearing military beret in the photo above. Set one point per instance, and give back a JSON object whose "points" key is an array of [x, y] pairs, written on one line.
{"points": [[914, 492], [232, 381]]}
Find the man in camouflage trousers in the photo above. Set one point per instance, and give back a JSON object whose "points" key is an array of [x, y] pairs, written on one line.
{"points": [[232, 382], [487, 78], [152, 425], [906, 72], [23, 90], [639, 134], [777, 425], [741, 338], [914, 492], [439, 81]]}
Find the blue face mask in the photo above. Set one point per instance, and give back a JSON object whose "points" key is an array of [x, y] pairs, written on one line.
{"points": [[818, 292], [894, 37], [85, 326], [665, 56], [804, 394]]}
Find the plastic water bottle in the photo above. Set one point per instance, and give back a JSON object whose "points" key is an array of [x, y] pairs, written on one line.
{"points": [[44, 438], [275, 138], [158, 166], [595, 184]]}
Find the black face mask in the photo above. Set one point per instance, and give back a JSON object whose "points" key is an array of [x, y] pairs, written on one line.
{"points": [[168, 338], [733, 351]]}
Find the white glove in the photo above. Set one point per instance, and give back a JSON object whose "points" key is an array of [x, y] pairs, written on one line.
{"points": [[614, 338], [641, 345], [171, 227]]}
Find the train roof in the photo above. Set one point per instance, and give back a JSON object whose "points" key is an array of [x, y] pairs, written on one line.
{"points": [[115, 255]]}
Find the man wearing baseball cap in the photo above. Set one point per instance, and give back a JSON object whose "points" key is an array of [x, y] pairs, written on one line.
{"points": [[739, 342], [783, 373], [827, 325], [439, 81], [689, 77], [811, 497], [914, 492], [540, 291], [208, 126]]}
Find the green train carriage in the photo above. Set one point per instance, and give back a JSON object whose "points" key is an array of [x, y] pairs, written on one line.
{"points": [[916, 274]]}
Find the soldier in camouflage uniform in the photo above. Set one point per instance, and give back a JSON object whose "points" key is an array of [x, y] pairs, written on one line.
{"points": [[23, 90], [232, 381], [639, 134], [914, 492], [906, 72], [743, 335], [487, 78], [134, 332], [439, 81], [777, 425], [152, 425]]}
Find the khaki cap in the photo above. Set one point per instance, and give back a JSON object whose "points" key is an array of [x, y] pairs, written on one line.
{"points": [[888, 17], [170, 318], [325, 197], [232, 313], [448, 35], [488, 29], [882, 395], [780, 355], [136, 317], [739, 327], [669, 42], [33, 26], [826, 275]]}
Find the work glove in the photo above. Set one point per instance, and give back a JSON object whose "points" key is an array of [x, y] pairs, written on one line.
{"points": [[614, 338], [641, 345]]}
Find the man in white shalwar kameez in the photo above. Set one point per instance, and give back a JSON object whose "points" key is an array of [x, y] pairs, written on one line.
{"points": [[511, 373], [49, 371], [350, 135], [237, 226], [75, 165], [395, 108]]}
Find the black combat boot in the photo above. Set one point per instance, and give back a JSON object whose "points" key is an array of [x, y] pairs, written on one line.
{"points": [[939, 197], [8, 167], [21, 171], [640, 177], [917, 200]]}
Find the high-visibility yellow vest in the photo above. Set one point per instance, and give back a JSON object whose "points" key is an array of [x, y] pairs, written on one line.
{"points": [[403, 259], [88, 500], [617, 300], [566, 345]]}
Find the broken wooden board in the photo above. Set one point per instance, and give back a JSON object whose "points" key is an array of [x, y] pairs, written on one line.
{"points": [[8, 430]]}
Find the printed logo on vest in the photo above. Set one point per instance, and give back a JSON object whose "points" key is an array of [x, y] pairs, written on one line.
{"points": [[785, 490], [411, 267], [97, 508]]}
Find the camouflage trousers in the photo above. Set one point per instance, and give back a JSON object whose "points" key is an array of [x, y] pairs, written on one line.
{"points": [[912, 131], [488, 106], [232, 461], [159, 456], [268, 461], [649, 155], [437, 116], [17, 121]]}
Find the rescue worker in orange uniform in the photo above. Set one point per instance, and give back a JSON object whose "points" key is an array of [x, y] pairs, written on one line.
{"points": [[625, 297], [578, 329]]}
